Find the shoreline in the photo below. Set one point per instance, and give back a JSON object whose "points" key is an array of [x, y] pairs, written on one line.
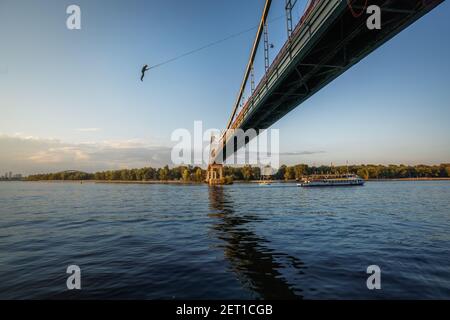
{"points": [[179, 182], [410, 179]]}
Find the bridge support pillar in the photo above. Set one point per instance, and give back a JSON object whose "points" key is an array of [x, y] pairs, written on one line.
{"points": [[214, 174]]}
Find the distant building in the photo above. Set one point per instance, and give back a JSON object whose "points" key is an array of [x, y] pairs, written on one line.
{"points": [[10, 175]]}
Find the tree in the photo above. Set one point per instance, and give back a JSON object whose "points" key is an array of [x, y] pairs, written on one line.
{"points": [[247, 172], [289, 174], [199, 175], [177, 173], [236, 173], [115, 175], [445, 170], [163, 173], [363, 173], [280, 173], [186, 175], [124, 175], [256, 173], [300, 170], [148, 174]]}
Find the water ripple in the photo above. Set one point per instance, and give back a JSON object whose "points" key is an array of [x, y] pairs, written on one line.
{"points": [[240, 241]]}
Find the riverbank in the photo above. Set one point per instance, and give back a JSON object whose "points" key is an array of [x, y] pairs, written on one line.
{"points": [[181, 182], [411, 179], [119, 181]]}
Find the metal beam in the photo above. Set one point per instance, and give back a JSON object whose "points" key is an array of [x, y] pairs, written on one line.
{"points": [[252, 57], [288, 9], [386, 9], [266, 49], [320, 65]]}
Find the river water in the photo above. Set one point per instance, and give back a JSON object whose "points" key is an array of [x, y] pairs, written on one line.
{"points": [[232, 242]]}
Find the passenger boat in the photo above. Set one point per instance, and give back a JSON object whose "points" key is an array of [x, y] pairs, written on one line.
{"points": [[332, 181]]}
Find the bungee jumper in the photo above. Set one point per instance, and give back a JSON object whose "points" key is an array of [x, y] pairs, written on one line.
{"points": [[144, 69]]}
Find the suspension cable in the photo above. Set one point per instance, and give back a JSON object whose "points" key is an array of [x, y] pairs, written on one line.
{"points": [[209, 45]]}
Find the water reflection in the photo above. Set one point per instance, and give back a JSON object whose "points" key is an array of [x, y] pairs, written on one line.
{"points": [[258, 267]]}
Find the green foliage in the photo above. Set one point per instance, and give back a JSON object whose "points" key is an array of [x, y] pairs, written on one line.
{"points": [[163, 173], [256, 173], [289, 173], [186, 175], [247, 172], [300, 170], [363, 173], [228, 179], [280, 173], [197, 174], [66, 175]]}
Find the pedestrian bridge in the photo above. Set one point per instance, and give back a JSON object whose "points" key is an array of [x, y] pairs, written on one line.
{"points": [[330, 37]]}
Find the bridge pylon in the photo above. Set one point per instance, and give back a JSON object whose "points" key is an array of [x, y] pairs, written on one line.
{"points": [[214, 174]]}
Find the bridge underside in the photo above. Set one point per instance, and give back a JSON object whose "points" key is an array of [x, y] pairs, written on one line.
{"points": [[346, 41], [338, 42]]}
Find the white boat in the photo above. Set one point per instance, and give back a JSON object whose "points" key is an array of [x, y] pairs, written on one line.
{"points": [[332, 181]]}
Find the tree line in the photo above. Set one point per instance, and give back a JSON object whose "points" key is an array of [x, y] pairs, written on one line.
{"points": [[248, 173], [369, 171]]}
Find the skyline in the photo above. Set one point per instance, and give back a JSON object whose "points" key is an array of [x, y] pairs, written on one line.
{"points": [[79, 104]]}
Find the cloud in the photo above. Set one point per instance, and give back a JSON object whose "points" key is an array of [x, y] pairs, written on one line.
{"points": [[88, 129], [58, 155], [300, 153], [285, 154], [29, 155]]}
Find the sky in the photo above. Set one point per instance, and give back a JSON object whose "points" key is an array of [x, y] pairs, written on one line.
{"points": [[72, 99]]}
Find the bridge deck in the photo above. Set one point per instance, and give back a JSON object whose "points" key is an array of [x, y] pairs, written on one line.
{"points": [[326, 42]]}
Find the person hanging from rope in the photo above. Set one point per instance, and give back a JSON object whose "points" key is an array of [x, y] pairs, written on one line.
{"points": [[144, 69]]}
